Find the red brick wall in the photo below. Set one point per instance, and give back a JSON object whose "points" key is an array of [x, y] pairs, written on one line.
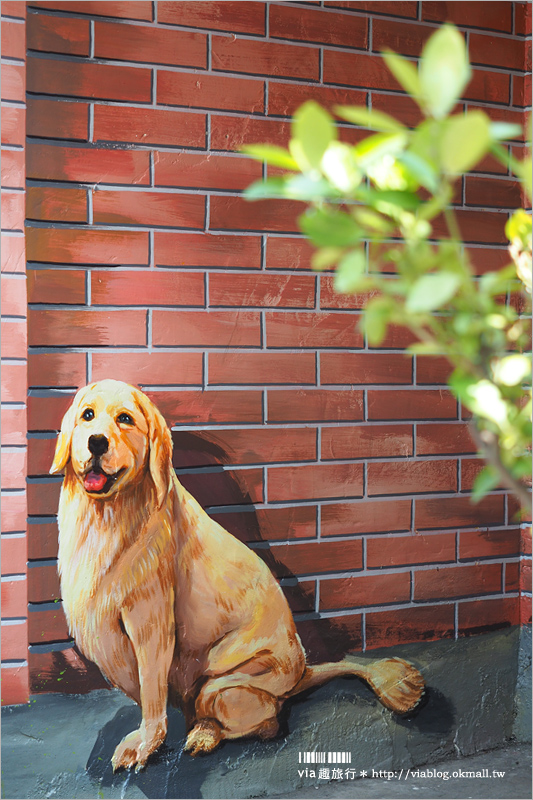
{"points": [[347, 468], [15, 672]]}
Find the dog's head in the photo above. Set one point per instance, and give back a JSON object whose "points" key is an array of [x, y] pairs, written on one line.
{"points": [[113, 437]]}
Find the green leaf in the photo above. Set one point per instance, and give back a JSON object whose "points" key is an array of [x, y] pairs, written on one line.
{"points": [[270, 187], [328, 228], [432, 291], [502, 131], [372, 197], [277, 156], [312, 131], [487, 480], [378, 145], [377, 120], [338, 165], [376, 319], [512, 370], [420, 170], [349, 272], [310, 187], [425, 349], [482, 397], [444, 70], [405, 73], [465, 140], [325, 257]]}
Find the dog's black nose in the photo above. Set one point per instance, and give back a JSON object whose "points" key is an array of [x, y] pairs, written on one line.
{"points": [[98, 445]]}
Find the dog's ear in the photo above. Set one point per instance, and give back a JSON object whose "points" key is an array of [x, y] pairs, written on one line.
{"points": [[64, 440], [160, 457]]}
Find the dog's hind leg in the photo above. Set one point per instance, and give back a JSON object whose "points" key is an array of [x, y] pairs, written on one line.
{"points": [[397, 683], [227, 709]]}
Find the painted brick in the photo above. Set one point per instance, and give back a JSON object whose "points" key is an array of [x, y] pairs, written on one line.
{"points": [[525, 576], [205, 408], [232, 133], [288, 253], [261, 368], [56, 369], [86, 328], [322, 638], [42, 540], [12, 169], [444, 439], [470, 469], [265, 58], [14, 338], [315, 405], [58, 34], [14, 512], [141, 9], [525, 541], [515, 513], [398, 8], [484, 259], [93, 165], [365, 590], [424, 624], [270, 524], [97, 81], [13, 211], [14, 8], [57, 205], [206, 329], [243, 446], [402, 108], [13, 82], [207, 250], [234, 17], [453, 582], [490, 87], [15, 639], [313, 330], [14, 385], [358, 69], [401, 37], [396, 338], [302, 559], [364, 368], [14, 554], [400, 551], [451, 512], [412, 477], [238, 214], [405, 404], [315, 481], [56, 286], [13, 421], [521, 90], [146, 44], [149, 208], [196, 171], [40, 456], [210, 91], [225, 487], [481, 616], [497, 15], [62, 246], [285, 98], [330, 298], [148, 126], [287, 291], [148, 288], [339, 519], [46, 413], [431, 370], [77, 674], [492, 193], [48, 626], [515, 574], [13, 468], [43, 499], [13, 125], [522, 19], [15, 680], [366, 441], [308, 25], [13, 40], [14, 598], [57, 119], [300, 595]]}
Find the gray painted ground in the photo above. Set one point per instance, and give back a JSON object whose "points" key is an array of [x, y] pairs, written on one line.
{"points": [[60, 745]]}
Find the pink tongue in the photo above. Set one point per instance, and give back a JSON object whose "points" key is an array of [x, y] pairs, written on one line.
{"points": [[94, 481]]}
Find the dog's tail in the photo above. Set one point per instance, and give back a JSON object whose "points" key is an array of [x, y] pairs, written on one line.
{"points": [[397, 683]]}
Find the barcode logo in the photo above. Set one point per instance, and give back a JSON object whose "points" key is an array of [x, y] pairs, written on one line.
{"points": [[319, 757]]}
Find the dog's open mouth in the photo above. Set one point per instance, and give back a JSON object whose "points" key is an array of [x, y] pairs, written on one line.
{"points": [[96, 481]]}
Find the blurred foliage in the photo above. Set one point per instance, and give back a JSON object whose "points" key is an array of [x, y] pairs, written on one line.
{"points": [[377, 202]]}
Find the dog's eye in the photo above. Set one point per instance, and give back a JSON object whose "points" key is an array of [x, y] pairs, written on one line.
{"points": [[88, 414], [125, 419]]}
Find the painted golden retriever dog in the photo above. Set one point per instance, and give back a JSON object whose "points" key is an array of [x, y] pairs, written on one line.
{"points": [[164, 600]]}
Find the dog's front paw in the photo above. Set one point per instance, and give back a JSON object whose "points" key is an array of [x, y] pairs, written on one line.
{"points": [[137, 746], [204, 737]]}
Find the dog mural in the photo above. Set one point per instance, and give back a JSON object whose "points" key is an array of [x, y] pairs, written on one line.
{"points": [[166, 602]]}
